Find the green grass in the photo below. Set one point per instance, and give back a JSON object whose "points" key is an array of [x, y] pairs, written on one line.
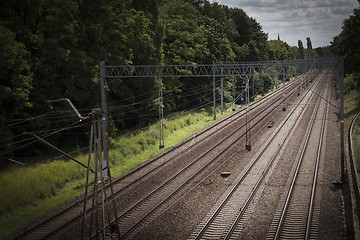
{"points": [[19, 217], [138, 148], [28, 193]]}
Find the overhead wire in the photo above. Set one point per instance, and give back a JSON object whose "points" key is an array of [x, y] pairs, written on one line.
{"points": [[13, 137], [186, 103], [24, 132], [191, 93], [47, 117], [65, 114], [68, 114], [43, 136], [87, 108], [195, 92], [22, 121], [117, 119]]}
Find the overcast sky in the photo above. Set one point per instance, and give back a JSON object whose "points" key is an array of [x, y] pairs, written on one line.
{"points": [[294, 20]]}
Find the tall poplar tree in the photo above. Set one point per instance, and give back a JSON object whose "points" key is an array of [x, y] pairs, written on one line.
{"points": [[308, 42], [301, 49]]}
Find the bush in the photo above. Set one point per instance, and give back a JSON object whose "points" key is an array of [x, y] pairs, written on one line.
{"points": [[352, 82]]}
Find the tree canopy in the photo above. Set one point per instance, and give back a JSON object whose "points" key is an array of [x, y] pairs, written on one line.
{"points": [[51, 49], [347, 44]]}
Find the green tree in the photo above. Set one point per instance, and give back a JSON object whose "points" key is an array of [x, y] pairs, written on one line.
{"points": [[66, 41], [308, 43], [55, 47], [301, 49], [279, 50], [251, 40], [15, 85], [347, 43], [184, 39]]}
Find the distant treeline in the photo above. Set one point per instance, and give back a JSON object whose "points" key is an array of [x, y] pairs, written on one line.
{"points": [[51, 49]]}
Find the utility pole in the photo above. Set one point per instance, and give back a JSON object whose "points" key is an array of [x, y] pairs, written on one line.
{"points": [[96, 178], [283, 84], [161, 115], [214, 89], [233, 92], [248, 142], [341, 89], [100, 211], [276, 77], [222, 91], [104, 116]]}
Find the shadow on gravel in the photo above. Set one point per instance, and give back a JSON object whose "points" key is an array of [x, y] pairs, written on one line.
{"points": [[352, 112], [349, 221], [335, 186]]}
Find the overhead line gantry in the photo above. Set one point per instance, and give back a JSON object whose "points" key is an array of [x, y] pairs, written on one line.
{"points": [[246, 70]]}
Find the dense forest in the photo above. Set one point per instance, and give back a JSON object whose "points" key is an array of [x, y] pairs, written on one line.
{"points": [[51, 49], [347, 44]]}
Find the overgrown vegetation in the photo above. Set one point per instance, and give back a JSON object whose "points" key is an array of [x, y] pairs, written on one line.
{"points": [[351, 82]]}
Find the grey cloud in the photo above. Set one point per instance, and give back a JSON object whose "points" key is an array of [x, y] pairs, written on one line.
{"points": [[310, 14], [319, 19], [294, 15]]}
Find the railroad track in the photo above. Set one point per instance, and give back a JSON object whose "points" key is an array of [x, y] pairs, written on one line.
{"points": [[296, 216], [353, 178], [225, 220], [73, 213], [146, 209]]}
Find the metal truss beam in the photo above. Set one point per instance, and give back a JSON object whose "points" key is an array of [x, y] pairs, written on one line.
{"points": [[270, 68], [246, 70]]}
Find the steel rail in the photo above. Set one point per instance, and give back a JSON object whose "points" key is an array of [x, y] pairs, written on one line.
{"points": [[250, 197], [240, 214], [353, 175], [189, 165], [240, 113], [308, 134], [300, 159], [313, 190], [240, 180], [204, 178]]}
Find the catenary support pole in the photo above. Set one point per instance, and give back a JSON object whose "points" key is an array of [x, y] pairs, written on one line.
{"points": [[104, 116], [214, 89], [341, 89], [252, 79], [247, 129], [233, 92], [161, 115], [276, 77], [283, 85], [222, 91]]}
